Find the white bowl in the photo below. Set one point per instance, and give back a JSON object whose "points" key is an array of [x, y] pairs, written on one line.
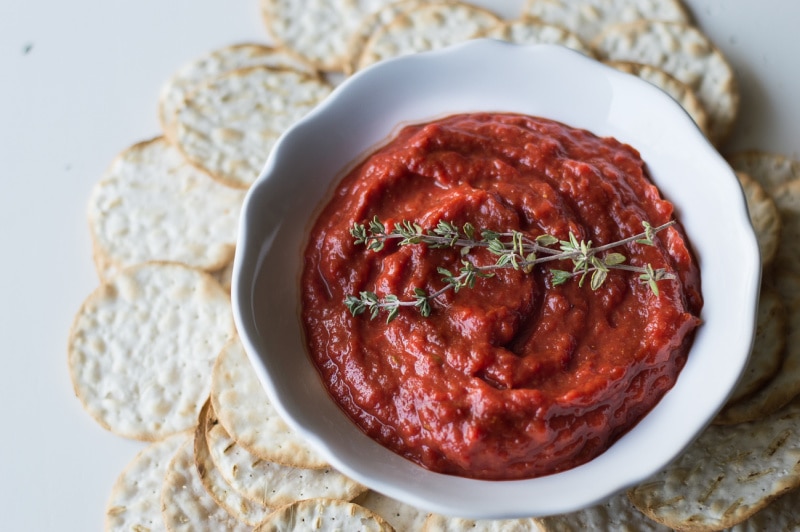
{"points": [[486, 75]]}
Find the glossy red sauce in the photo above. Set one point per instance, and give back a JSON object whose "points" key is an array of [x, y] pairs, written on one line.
{"points": [[514, 378]]}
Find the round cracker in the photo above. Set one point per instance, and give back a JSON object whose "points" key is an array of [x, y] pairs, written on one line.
{"points": [[530, 30], [728, 474], [368, 25], [317, 30], [135, 499], [398, 514], [152, 206], [324, 515], [142, 347], [685, 53], [240, 507], [228, 126], [267, 483], [186, 506], [764, 216], [616, 513], [679, 91], [441, 523], [215, 63], [427, 27], [787, 200], [785, 384], [588, 18], [246, 413], [770, 169], [766, 355]]}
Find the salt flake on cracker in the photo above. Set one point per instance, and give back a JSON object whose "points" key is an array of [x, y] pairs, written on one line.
{"points": [[142, 347]]}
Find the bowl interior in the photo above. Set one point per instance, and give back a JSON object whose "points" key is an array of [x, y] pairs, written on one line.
{"points": [[487, 75]]}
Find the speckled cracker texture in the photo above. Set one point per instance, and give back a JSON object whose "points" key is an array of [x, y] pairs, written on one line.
{"points": [[227, 127], [151, 205], [142, 347]]}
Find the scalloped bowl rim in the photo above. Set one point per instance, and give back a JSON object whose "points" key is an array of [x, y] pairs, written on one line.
{"points": [[488, 75]]}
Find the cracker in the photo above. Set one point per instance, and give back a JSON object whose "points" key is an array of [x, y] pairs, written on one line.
{"points": [[142, 347], [727, 475], [769, 169], [267, 483], [242, 508], [587, 18], [135, 499], [679, 91], [787, 284], [245, 411], [317, 30], [764, 216], [212, 64], [787, 200], [427, 27], [227, 127], [368, 25], [616, 513], [152, 206], [398, 514], [766, 355], [185, 503], [441, 523], [324, 515], [781, 514], [780, 177], [529, 30], [785, 385], [685, 53]]}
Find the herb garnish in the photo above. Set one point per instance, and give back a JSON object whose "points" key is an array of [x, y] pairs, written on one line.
{"points": [[513, 249]]}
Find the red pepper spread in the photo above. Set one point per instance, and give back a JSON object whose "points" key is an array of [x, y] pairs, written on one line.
{"points": [[515, 377]]}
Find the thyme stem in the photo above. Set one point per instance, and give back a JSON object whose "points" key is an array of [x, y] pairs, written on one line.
{"points": [[513, 249]]}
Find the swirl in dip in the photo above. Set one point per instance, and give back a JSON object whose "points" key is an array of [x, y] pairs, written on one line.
{"points": [[514, 378]]}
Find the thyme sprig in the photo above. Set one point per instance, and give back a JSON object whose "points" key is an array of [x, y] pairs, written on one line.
{"points": [[513, 250]]}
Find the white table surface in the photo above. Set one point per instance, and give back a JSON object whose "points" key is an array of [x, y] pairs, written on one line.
{"points": [[78, 83]]}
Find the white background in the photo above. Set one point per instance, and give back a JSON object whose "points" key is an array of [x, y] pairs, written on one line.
{"points": [[79, 81]]}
